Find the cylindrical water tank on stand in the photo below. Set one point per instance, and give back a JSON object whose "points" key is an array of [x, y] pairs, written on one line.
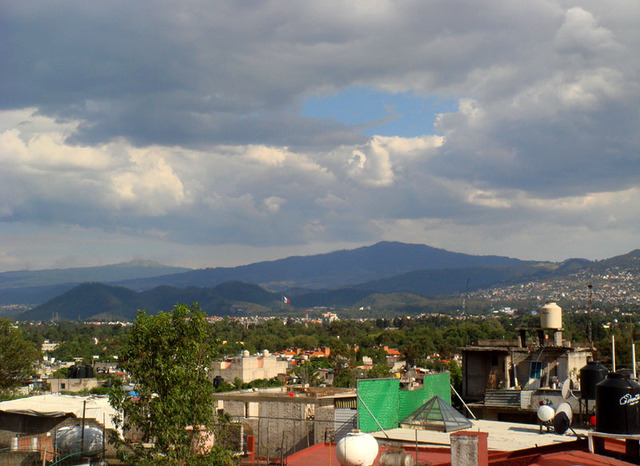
{"points": [[618, 405], [590, 376], [551, 316]]}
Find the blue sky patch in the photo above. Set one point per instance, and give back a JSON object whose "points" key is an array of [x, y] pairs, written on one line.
{"points": [[380, 113]]}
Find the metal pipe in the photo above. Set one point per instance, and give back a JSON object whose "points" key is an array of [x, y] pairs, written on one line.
{"points": [[84, 409], [463, 403], [613, 351]]}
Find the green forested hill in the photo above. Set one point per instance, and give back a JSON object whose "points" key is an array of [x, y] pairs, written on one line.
{"points": [[105, 302]]}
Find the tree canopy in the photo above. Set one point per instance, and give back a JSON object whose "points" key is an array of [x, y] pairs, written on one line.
{"points": [[167, 356], [17, 356]]}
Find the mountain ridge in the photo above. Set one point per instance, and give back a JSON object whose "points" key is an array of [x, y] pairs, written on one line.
{"points": [[47, 277], [385, 268], [333, 269]]}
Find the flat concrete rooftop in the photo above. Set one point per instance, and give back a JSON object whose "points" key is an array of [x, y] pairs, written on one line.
{"points": [[503, 436]]}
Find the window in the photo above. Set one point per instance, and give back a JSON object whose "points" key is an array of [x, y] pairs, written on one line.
{"points": [[536, 370]]}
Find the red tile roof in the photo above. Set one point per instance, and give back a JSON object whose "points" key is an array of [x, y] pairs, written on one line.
{"points": [[323, 454]]}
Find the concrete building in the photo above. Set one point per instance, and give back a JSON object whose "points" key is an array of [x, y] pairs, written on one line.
{"points": [[72, 385], [505, 379], [329, 317], [248, 368], [504, 364]]}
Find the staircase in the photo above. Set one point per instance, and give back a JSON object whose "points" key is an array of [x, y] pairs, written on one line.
{"points": [[520, 399]]}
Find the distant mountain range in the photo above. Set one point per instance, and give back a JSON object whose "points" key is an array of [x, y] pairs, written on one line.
{"points": [[342, 278], [107, 273], [335, 269], [32, 287]]}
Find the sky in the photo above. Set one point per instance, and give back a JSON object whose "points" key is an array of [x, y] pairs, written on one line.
{"points": [[219, 133]]}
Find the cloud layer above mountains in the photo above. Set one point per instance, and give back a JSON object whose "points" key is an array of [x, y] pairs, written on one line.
{"points": [[177, 130]]}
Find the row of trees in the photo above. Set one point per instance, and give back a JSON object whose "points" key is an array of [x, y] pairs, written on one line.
{"points": [[415, 337]]}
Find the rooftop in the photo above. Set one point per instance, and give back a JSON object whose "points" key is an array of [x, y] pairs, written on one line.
{"points": [[293, 394], [503, 436]]}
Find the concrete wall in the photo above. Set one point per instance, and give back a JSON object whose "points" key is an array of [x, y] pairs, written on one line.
{"points": [[476, 367], [250, 368], [19, 458], [12, 424], [282, 425], [72, 385]]}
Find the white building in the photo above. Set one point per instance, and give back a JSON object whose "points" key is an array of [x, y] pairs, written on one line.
{"points": [[248, 368]]}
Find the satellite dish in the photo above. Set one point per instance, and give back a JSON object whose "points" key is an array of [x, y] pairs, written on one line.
{"points": [[567, 389], [546, 413], [561, 423], [566, 409]]}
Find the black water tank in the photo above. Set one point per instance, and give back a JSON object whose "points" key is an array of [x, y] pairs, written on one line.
{"points": [[82, 372], [590, 376], [618, 405], [73, 372], [89, 371]]}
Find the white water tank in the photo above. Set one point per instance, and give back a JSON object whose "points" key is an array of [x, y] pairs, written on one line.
{"points": [[551, 316], [357, 449], [546, 413]]}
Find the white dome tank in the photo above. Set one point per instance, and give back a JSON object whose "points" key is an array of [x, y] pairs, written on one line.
{"points": [[357, 449], [546, 413], [551, 316]]}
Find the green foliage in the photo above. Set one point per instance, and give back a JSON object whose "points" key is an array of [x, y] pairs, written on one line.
{"points": [[81, 340], [167, 356], [18, 356], [344, 377], [307, 371], [455, 374], [240, 385], [100, 390], [379, 371], [61, 373]]}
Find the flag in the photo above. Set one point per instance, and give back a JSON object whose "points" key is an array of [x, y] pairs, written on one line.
{"points": [[286, 300]]}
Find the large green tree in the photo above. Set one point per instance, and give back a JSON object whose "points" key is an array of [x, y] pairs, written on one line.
{"points": [[168, 356], [18, 356]]}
